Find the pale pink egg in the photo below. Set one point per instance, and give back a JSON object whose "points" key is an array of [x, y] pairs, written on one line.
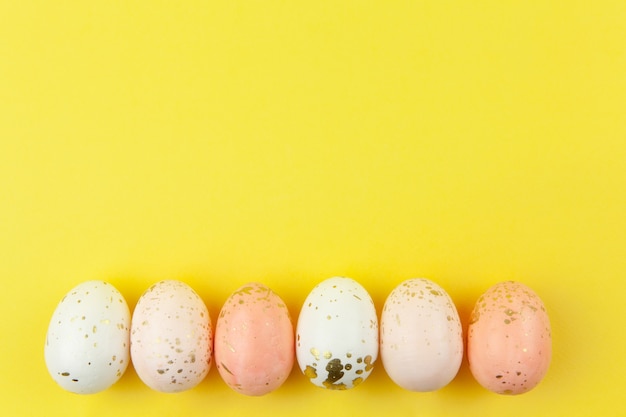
{"points": [[254, 341], [509, 339], [171, 337], [421, 341]]}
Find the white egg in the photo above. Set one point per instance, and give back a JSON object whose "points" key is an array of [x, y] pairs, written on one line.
{"points": [[87, 344], [421, 341], [171, 337], [337, 334]]}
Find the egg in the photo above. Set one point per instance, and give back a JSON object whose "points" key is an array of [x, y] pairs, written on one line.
{"points": [[337, 334], [254, 341], [87, 342], [421, 340], [509, 339], [171, 337]]}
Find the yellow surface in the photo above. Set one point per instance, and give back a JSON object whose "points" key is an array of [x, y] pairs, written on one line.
{"points": [[286, 142]]}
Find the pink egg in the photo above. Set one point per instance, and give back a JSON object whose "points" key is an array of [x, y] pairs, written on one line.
{"points": [[254, 342], [171, 337], [509, 341]]}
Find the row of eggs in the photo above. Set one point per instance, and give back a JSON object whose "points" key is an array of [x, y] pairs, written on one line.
{"points": [[91, 338]]}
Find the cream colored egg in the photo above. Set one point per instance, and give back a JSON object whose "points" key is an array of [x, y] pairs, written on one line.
{"points": [[87, 344], [421, 341], [171, 337], [337, 334]]}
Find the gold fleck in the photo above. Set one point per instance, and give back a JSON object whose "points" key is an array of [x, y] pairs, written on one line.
{"points": [[348, 367], [225, 368], [310, 372], [327, 355], [94, 329], [368, 363], [348, 355], [230, 347], [356, 381], [245, 290], [315, 353], [105, 321], [327, 317], [65, 374], [335, 370]]}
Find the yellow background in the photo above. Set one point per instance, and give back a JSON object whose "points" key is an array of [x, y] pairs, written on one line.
{"points": [[286, 142]]}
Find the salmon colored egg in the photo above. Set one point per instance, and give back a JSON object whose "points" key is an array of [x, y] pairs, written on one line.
{"points": [[509, 342], [254, 341]]}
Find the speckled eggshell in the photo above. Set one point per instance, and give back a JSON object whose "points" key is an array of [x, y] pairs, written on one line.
{"points": [[171, 337], [254, 341], [421, 341], [337, 334], [509, 340], [87, 342]]}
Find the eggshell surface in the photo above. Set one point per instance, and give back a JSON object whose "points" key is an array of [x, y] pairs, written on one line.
{"points": [[87, 343], [509, 339], [337, 334], [421, 342], [254, 340], [171, 337]]}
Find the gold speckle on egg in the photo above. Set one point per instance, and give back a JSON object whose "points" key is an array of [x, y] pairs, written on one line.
{"points": [[225, 368], [310, 372], [368, 363], [315, 353]]}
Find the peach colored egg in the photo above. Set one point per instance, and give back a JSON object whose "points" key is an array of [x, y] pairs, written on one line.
{"points": [[171, 337], [509, 339], [254, 341]]}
